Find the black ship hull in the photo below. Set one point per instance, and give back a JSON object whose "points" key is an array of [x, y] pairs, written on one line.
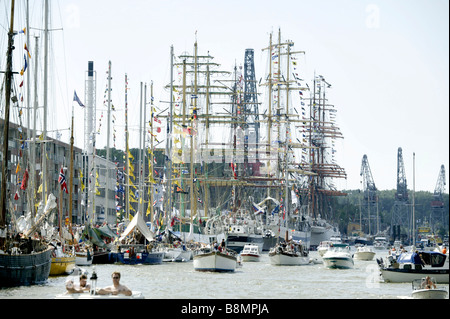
{"points": [[25, 269]]}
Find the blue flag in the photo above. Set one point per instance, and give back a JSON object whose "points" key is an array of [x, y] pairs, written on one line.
{"points": [[76, 99]]}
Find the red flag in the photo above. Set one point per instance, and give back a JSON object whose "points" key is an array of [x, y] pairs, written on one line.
{"points": [[62, 181], [24, 181]]}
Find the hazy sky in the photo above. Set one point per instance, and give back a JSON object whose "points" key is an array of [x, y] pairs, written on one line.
{"points": [[387, 61]]}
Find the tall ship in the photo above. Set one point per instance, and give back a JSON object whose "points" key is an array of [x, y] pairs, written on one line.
{"points": [[231, 160], [320, 188], [25, 257], [301, 132]]}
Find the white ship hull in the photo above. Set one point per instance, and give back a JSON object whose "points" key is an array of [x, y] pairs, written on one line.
{"points": [[365, 255], [215, 261], [430, 294], [338, 262], [282, 259], [400, 275], [250, 257], [339, 258]]}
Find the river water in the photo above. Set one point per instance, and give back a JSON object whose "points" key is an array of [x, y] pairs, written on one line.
{"points": [[254, 280]]}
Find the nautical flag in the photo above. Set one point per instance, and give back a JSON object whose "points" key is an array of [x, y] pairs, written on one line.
{"points": [[25, 66], [26, 49], [24, 180], [62, 181], [76, 99]]}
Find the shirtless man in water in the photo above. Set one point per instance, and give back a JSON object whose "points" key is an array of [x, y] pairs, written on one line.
{"points": [[116, 287]]}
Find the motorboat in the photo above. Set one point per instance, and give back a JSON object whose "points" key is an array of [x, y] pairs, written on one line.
{"points": [[425, 288], [338, 257], [380, 242], [251, 253], [290, 253], [364, 253], [210, 259], [408, 266]]}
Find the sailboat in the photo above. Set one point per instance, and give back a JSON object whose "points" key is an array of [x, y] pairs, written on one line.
{"points": [[137, 241], [142, 249], [188, 137], [26, 259]]}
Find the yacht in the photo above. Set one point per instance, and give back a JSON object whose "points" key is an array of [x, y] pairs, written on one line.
{"points": [[338, 257], [380, 242]]}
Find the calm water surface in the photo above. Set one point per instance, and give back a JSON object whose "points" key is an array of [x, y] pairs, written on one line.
{"points": [[254, 280]]}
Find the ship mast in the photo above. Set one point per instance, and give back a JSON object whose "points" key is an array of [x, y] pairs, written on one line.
{"points": [[127, 151], [8, 79]]}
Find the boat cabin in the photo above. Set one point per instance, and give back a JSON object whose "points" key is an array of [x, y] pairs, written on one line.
{"points": [[429, 258], [250, 249]]}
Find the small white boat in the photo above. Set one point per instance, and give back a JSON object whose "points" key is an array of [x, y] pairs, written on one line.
{"points": [[364, 253], [338, 257], [425, 288], [207, 259], [87, 295], [289, 254], [251, 252]]}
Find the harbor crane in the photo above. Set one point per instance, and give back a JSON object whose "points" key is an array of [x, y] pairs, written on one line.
{"points": [[437, 203], [401, 217], [369, 188], [402, 190], [370, 198]]}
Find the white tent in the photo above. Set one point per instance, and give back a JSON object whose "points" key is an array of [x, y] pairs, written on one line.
{"points": [[139, 223]]}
